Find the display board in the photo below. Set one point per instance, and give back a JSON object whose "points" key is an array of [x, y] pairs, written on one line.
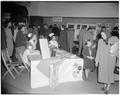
{"points": [[45, 51]]}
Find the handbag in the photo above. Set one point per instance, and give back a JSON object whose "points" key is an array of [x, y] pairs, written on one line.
{"points": [[116, 70]]}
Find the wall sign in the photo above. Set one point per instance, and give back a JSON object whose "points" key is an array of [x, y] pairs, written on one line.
{"points": [[57, 19]]}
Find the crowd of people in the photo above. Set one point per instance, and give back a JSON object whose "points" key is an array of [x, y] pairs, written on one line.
{"points": [[98, 47]]}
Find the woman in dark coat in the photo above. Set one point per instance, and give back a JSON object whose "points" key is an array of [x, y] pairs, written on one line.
{"points": [[89, 52]]}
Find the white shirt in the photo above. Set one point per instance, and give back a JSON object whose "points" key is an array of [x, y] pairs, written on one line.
{"points": [[53, 43]]}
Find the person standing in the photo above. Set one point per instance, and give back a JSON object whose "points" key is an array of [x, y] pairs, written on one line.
{"points": [[21, 42], [105, 63], [9, 37]]}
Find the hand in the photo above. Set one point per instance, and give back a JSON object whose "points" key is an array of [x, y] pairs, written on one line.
{"points": [[91, 57], [88, 57], [96, 63]]}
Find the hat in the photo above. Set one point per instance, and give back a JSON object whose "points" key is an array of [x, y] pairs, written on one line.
{"points": [[30, 34], [51, 34]]}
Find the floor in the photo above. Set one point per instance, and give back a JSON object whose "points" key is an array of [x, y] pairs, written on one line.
{"points": [[21, 85]]}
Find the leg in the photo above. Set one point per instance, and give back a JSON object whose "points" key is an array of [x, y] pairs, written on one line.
{"points": [[107, 89], [104, 88], [18, 51], [87, 71]]}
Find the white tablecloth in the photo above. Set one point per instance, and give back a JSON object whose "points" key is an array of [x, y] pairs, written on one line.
{"points": [[69, 66]]}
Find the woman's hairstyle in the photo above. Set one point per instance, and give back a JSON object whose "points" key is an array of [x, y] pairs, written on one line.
{"points": [[116, 28], [99, 35], [20, 27], [6, 23]]}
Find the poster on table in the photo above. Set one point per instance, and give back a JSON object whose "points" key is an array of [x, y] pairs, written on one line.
{"points": [[44, 48], [71, 70]]}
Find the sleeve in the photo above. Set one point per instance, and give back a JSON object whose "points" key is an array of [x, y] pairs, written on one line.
{"points": [[97, 59], [85, 52], [94, 50], [80, 42]]}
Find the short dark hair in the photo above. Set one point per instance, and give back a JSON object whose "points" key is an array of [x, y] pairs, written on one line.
{"points": [[115, 33], [20, 27], [6, 23], [115, 29]]}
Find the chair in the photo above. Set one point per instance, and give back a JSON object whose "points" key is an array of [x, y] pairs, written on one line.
{"points": [[9, 66], [25, 65]]}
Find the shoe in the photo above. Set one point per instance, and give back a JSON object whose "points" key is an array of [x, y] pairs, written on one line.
{"points": [[103, 88], [106, 92]]}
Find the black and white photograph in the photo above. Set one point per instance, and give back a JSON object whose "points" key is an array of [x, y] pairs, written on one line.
{"points": [[59, 47]]}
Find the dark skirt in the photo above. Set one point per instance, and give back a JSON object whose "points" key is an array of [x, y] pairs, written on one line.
{"points": [[89, 64]]}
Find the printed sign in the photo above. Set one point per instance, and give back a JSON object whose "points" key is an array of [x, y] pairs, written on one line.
{"points": [[57, 19]]}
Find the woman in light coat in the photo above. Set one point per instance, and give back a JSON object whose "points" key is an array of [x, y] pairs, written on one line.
{"points": [[105, 63], [9, 38]]}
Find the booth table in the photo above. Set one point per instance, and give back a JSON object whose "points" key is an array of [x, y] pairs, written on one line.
{"points": [[65, 67]]}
